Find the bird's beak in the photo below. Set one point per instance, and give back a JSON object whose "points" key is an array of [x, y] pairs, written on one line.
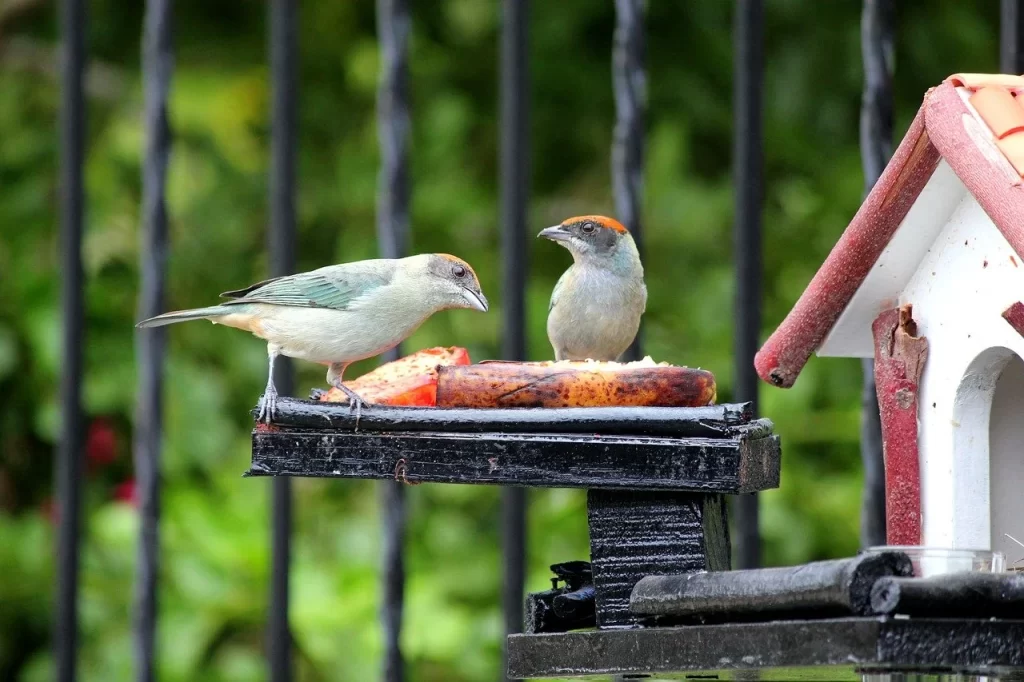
{"points": [[476, 301], [556, 233]]}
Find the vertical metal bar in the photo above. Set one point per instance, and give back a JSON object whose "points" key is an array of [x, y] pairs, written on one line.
{"points": [[748, 82], [284, 55], [877, 24], [630, 83], [1011, 32], [157, 69], [68, 467], [393, 27], [515, 191]]}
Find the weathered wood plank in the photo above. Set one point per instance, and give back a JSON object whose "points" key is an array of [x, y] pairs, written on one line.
{"points": [[963, 595], [617, 462], [713, 421], [900, 356], [849, 645], [634, 534], [838, 587]]}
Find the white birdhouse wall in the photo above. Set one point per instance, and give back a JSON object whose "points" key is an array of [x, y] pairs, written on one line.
{"points": [[972, 486]]}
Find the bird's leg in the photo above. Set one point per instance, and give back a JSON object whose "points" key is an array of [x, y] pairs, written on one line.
{"points": [[268, 403], [353, 399], [334, 373]]}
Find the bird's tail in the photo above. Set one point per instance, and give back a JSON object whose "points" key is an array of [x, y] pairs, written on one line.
{"points": [[185, 315]]}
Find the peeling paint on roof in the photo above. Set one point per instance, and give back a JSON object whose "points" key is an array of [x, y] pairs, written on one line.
{"points": [[998, 99], [949, 126]]}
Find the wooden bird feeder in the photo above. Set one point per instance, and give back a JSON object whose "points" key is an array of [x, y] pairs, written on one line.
{"points": [[928, 279], [657, 595]]}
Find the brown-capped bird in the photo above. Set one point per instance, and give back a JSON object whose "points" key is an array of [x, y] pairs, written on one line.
{"points": [[597, 303]]}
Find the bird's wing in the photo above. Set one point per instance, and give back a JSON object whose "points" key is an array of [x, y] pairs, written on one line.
{"points": [[335, 286], [239, 293], [555, 291]]}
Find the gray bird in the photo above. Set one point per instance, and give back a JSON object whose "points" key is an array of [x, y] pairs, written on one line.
{"points": [[341, 313], [597, 303]]}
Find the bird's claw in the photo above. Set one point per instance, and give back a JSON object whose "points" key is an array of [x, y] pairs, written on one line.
{"points": [[354, 401], [268, 406], [358, 406]]}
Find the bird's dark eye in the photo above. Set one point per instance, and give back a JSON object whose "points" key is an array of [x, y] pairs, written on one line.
{"points": [[459, 271], [588, 228]]}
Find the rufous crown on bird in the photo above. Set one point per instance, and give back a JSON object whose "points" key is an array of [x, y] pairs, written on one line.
{"points": [[455, 260], [598, 221]]}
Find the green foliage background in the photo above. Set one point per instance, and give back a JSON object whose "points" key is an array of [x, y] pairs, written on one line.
{"points": [[215, 529]]}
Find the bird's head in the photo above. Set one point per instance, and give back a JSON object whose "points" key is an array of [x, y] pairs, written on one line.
{"points": [[595, 239], [452, 283]]}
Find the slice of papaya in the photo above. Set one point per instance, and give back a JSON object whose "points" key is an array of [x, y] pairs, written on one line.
{"points": [[409, 381]]}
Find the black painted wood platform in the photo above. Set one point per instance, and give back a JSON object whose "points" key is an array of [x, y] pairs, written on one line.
{"points": [[656, 481], [836, 649], [656, 477], [717, 449]]}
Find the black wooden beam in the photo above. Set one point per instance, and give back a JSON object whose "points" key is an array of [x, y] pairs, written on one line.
{"points": [[1011, 32], [394, 24], [629, 79], [515, 192], [68, 469], [284, 62], [843, 648], [962, 595], [713, 421], [157, 68], [876, 34], [712, 465], [748, 140], [838, 587], [636, 534]]}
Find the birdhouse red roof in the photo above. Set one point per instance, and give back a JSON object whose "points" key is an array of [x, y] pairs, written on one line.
{"points": [[971, 123]]}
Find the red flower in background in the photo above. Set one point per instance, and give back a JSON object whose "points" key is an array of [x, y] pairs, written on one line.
{"points": [[100, 444], [125, 492], [48, 508]]}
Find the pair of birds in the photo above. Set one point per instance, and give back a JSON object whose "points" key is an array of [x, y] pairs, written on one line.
{"points": [[339, 314]]}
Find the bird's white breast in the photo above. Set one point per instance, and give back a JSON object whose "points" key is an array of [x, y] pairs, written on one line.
{"points": [[324, 335]]}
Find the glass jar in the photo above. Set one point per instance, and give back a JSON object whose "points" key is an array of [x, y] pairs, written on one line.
{"points": [[929, 561]]}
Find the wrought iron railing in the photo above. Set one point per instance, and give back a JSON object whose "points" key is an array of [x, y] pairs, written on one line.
{"points": [[394, 22]]}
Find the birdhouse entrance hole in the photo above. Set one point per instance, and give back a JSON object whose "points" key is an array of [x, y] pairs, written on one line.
{"points": [[988, 445]]}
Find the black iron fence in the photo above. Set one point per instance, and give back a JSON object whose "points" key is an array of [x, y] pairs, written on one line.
{"points": [[394, 23]]}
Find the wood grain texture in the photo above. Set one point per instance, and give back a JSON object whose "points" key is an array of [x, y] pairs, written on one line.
{"points": [[787, 350], [544, 460], [900, 356], [957, 595], [717, 546], [634, 534], [838, 587], [938, 132], [713, 421], [1014, 315], [986, 173], [841, 649]]}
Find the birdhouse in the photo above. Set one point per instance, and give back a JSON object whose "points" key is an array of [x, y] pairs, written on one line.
{"points": [[928, 279]]}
